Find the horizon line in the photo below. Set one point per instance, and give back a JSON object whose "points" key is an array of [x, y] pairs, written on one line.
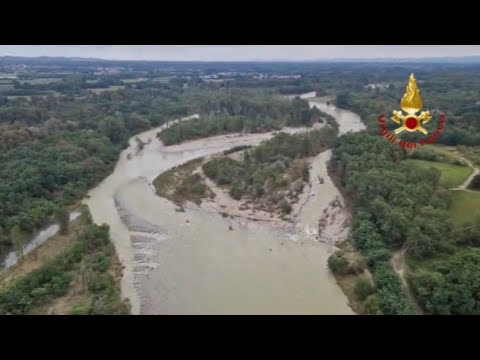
{"points": [[312, 60]]}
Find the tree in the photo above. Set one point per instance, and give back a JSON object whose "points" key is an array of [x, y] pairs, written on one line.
{"points": [[371, 306], [338, 263], [52, 125], [363, 288], [17, 239], [342, 100], [63, 218], [236, 191], [85, 217], [113, 128], [452, 286], [285, 206], [469, 234], [475, 184], [137, 123]]}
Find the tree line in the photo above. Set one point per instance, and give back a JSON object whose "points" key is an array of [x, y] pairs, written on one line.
{"points": [[250, 115]]}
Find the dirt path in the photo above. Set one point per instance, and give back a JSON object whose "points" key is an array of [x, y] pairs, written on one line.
{"points": [[400, 267], [467, 182]]}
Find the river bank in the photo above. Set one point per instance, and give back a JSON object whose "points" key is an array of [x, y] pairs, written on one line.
{"points": [[41, 237], [75, 272]]}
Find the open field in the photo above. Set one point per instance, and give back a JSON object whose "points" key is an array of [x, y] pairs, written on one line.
{"points": [[40, 81], [133, 81], [451, 175], [165, 79], [111, 88], [447, 154], [29, 97], [5, 87], [465, 205]]}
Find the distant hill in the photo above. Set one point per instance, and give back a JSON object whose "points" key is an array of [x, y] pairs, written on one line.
{"points": [[47, 59], [43, 59], [450, 59]]}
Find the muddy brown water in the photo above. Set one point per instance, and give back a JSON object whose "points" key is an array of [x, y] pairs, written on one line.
{"points": [[193, 263]]}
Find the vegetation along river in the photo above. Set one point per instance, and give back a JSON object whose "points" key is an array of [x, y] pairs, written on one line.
{"points": [[193, 263]]}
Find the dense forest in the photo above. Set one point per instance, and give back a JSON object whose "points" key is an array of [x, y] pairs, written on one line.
{"points": [[396, 206], [454, 93], [54, 149], [240, 111]]}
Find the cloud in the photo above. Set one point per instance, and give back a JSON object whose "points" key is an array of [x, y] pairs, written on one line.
{"points": [[239, 52]]}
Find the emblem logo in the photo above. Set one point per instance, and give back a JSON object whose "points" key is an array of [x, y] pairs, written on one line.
{"points": [[409, 121], [411, 103]]}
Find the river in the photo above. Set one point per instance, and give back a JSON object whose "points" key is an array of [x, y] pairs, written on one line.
{"points": [[193, 263]]}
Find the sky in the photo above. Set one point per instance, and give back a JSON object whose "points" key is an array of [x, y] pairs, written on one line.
{"points": [[240, 52]]}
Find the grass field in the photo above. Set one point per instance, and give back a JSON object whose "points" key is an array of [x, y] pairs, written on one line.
{"points": [[465, 206], [5, 87], [451, 175], [442, 148], [111, 88], [29, 97], [133, 81], [13, 97], [165, 79], [471, 152], [40, 81]]}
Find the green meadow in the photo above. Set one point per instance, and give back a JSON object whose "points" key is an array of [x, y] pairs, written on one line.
{"points": [[451, 175]]}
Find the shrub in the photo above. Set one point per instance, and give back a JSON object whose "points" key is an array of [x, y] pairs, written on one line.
{"points": [[37, 287], [475, 184], [371, 306], [451, 286], [81, 309], [236, 192], [363, 288], [102, 283], [53, 279], [390, 295], [338, 263], [98, 262], [377, 256], [285, 206]]}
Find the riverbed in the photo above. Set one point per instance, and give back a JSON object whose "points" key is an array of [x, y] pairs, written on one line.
{"points": [[198, 262]]}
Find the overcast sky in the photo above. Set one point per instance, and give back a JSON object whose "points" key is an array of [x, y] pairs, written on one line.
{"points": [[239, 52]]}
